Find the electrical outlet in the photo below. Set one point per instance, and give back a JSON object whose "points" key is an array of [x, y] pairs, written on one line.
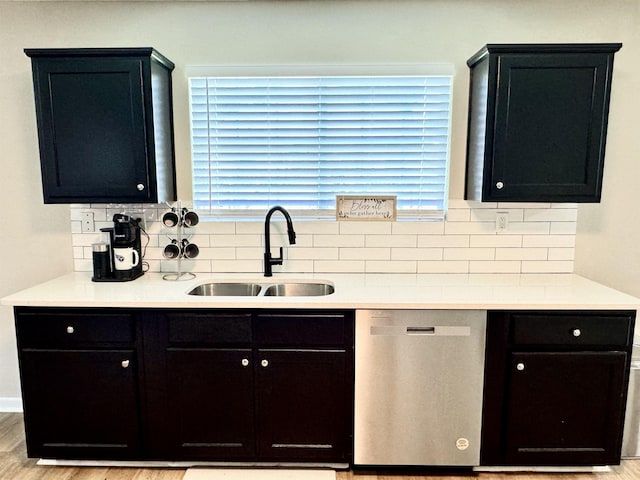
{"points": [[88, 223], [502, 221], [140, 217]]}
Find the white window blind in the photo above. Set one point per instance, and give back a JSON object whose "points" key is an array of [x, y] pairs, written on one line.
{"points": [[300, 141]]}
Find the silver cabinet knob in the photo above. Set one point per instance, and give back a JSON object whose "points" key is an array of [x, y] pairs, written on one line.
{"points": [[576, 332], [70, 329], [140, 187], [520, 367], [264, 363], [499, 185], [245, 362], [125, 364]]}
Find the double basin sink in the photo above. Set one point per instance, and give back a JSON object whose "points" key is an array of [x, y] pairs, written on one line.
{"points": [[250, 289]]}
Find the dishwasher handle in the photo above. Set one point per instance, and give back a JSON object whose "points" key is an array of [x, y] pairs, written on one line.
{"points": [[419, 330]]}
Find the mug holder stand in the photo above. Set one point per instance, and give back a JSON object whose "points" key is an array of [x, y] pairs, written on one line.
{"points": [[179, 275]]}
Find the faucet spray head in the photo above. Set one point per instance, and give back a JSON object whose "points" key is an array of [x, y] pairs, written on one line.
{"points": [[292, 234]]}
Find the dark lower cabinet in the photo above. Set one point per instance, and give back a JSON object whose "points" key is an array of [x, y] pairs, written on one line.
{"points": [[210, 397], [80, 404], [249, 386], [564, 405], [555, 387], [80, 378], [302, 405]]}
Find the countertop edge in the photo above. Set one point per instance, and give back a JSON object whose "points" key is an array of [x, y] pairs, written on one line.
{"points": [[353, 291]]}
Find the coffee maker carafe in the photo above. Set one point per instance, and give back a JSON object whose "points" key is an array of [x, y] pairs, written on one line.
{"points": [[125, 250]]}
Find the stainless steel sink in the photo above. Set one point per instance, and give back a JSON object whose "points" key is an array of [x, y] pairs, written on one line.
{"points": [[299, 290], [223, 289]]}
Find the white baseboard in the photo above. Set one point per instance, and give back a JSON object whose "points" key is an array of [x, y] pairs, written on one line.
{"points": [[10, 404]]}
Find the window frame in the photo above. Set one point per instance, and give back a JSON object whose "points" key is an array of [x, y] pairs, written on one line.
{"points": [[404, 69]]}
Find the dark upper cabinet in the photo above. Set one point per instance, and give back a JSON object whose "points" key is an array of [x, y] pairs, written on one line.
{"points": [[105, 125], [538, 122]]}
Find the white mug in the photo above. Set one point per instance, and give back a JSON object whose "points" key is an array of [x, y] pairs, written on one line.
{"points": [[125, 258]]}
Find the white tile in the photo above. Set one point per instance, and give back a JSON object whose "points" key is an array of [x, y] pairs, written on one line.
{"points": [[443, 267], [425, 227], [338, 240], [236, 266], [416, 253], [548, 241], [317, 227], [154, 253], [460, 203], [531, 228], [201, 240], [562, 253], [458, 215], [318, 253], [226, 253], [551, 215], [78, 252], [567, 228], [504, 240], [294, 266], [85, 239], [489, 215], [469, 253], [248, 227], [460, 241], [76, 227], [547, 267], [372, 253], [338, 266], [217, 228], [303, 241], [391, 240], [469, 228], [377, 228], [235, 240], [494, 267], [521, 254], [154, 241], [376, 266]]}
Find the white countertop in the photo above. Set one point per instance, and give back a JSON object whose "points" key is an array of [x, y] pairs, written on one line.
{"points": [[378, 291]]}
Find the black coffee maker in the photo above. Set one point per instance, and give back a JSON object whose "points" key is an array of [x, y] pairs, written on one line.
{"points": [[123, 257]]}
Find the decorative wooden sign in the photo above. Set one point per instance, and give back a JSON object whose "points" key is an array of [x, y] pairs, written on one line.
{"points": [[371, 207]]}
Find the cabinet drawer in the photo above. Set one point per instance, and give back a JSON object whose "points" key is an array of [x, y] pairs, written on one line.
{"points": [[301, 329], [209, 328], [69, 329], [575, 328]]}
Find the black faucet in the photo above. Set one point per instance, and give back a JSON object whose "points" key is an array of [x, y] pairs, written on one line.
{"points": [[268, 261]]}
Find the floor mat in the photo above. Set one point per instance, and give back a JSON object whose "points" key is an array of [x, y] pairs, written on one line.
{"points": [[257, 474]]}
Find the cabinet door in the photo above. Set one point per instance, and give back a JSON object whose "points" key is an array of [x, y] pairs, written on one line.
{"points": [[210, 394], [91, 127], [302, 405], [80, 404], [550, 127], [564, 408]]}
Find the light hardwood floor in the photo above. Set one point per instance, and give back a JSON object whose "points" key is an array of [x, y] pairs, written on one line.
{"points": [[14, 465]]}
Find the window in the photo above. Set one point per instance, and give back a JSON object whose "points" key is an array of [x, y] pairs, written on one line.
{"points": [[298, 141]]}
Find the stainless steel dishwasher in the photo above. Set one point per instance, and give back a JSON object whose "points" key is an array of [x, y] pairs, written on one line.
{"points": [[418, 387]]}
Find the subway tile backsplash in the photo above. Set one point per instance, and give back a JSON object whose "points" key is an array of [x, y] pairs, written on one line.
{"points": [[540, 238]]}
